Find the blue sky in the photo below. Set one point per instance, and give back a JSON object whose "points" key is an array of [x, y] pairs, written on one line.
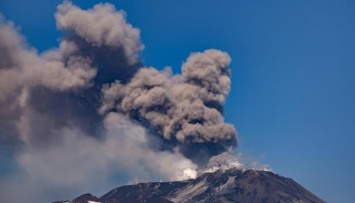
{"points": [[293, 73]]}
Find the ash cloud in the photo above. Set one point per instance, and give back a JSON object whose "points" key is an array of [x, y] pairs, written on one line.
{"points": [[89, 110], [183, 109]]}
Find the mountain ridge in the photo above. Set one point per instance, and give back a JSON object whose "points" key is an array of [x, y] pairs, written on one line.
{"points": [[231, 185]]}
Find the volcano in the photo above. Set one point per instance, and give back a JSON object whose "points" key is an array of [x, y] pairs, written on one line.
{"points": [[232, 185]]}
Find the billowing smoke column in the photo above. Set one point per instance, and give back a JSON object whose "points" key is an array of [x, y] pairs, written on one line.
{"points": [[184, 110], [91, 107]]}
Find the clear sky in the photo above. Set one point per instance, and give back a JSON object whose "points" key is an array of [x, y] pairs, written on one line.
{"points": [[293, 65]]}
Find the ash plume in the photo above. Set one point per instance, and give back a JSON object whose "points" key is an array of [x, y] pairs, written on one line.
{"points": [[90, 108], [182, 109]]}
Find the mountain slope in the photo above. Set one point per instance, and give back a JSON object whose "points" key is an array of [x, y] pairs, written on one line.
{"points": [[232, 185]]}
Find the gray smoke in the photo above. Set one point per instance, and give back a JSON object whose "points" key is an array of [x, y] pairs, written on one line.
{"points": [[90, 108], [103, 35], [185, 110]]}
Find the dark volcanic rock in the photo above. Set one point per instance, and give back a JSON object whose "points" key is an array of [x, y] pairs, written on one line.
{"points": [[142, 192], [243, 186], [82, 199], [232, 185]]}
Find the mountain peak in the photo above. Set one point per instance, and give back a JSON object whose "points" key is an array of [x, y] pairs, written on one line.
{"points": [[230, 185]]}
